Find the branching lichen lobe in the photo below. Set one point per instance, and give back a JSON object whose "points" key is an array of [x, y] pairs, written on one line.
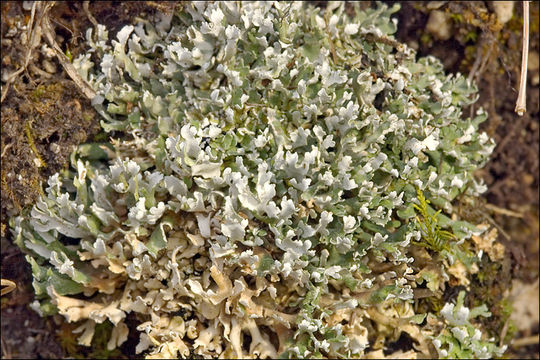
{"points": [[270, 183]]}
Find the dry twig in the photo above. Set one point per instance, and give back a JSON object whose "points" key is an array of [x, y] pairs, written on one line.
{"points": [[5, 149], [521, 105], [9, 286], [62, 58], [481, 61], [40, 10], [33, 40], [500, 229], [92, 19], [526, 341], [503, 332], [503, 211]]}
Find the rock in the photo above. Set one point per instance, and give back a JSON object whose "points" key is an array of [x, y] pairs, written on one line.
{"points": [[439, 24], [49, 66], [413, 44], [525, 314], [54, 147], [432, 5], [27, 5], [504, 10]]}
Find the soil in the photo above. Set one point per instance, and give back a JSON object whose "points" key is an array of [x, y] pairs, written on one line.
{"points": [[512, 174], [44, 116]]}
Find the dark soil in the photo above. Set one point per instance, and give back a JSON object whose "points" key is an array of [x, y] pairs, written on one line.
{"points": [[44, 117], [512, 174]]}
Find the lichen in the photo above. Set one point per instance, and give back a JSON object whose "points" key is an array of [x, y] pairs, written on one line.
{"points": [[264, 204]]}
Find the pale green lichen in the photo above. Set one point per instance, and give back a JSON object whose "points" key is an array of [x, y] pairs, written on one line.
{"points": [[268, 189], [460, 339]]}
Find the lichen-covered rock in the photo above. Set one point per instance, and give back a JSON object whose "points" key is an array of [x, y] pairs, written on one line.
{"points": [[264, 205]]}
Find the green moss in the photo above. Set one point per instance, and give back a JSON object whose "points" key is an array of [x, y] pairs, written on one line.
{"points": [[471, 36], [99, 343], [432, 236], [30, 139]]}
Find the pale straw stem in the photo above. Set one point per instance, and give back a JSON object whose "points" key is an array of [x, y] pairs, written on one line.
{"points": [[521, 100]]}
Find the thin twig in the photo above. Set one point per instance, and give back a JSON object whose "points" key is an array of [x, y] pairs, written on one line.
{"points": [[503, 332], [4, 93], [33, 31], [486, 58], [476, 64], [64, 26], [5, 149], [92, 19], [500, 229], [479, 64], [62, 58], [521, 104], [526, 341], [40, 72], [32, 17], [503, 211]]}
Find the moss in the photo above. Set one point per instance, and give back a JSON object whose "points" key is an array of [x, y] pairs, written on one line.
{"points": [[99, 343], [488, 287], [69, 342], [30, 138], [40, 126]]}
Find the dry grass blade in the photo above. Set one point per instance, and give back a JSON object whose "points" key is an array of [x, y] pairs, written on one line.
{"points": [[503, 332], [502, 211], [40, 10], [9, 286], [62, 58], [34, 39], [521, 105]]}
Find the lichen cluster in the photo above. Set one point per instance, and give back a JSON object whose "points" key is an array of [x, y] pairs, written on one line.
{"points": [[262, 200]]}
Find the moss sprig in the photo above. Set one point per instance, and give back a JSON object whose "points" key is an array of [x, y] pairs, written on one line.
{"points": [[433, 237]]}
